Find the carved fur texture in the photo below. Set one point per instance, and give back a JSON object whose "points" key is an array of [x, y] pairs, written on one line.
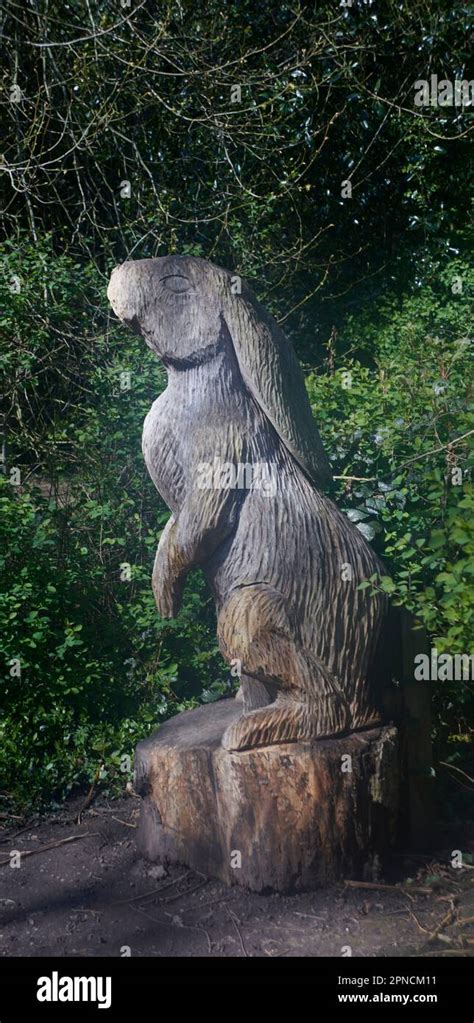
{"points": [[283, 563]]}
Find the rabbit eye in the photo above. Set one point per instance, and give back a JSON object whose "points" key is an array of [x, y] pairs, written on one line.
{"points": [[176, 283]]}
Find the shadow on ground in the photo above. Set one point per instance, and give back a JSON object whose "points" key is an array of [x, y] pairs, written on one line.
{"points": [[93, 896]]}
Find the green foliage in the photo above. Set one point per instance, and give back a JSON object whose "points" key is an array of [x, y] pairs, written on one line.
{"points": [[79, 530], [397, 416]]}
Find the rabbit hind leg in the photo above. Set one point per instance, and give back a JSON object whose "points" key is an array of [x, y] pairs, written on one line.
{"points": [[256, 628]]}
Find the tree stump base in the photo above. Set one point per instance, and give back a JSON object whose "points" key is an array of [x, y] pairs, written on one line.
{"points": [[280, 818]]}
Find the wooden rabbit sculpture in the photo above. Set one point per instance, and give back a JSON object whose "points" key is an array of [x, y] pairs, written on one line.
{"points": [[233, 449]]}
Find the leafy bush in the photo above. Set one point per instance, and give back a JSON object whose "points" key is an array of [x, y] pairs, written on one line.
{"points": [[81, 521], [396, 413]]}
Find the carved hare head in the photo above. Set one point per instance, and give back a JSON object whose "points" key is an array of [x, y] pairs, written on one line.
{"points": [[182, 304], [171, 301]]}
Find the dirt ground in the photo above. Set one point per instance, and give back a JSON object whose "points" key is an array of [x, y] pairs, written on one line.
{"points": [[92, 895]]}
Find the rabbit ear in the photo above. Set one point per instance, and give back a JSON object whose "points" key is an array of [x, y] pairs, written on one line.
{"points": [[273, 376]]}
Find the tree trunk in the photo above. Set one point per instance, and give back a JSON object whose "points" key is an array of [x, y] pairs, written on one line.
{"points": [[284, 818]]}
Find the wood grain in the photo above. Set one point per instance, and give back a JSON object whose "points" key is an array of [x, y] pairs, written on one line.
{"points": [[283, 563], [284, 818]]}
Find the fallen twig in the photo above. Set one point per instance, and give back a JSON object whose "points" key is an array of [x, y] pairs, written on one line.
{"points": [[436, 934], [452, 767], [155, 891], [213, 902], [447, 920], [234, 921], [50, 845], [189, 891], [404, 889], [90, 795], [15, 834], [446, 952], [420, 926]]}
